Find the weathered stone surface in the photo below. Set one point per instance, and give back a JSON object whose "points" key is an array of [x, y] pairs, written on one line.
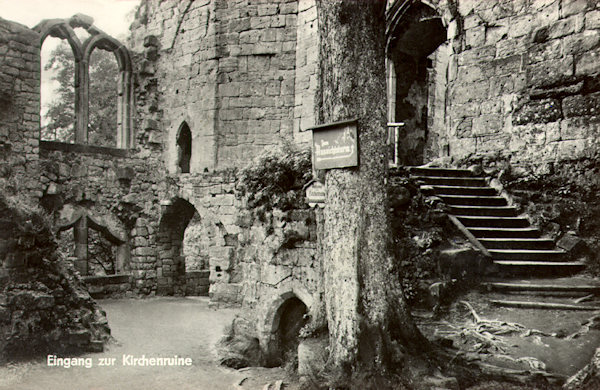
{"points": [[538, 111], [581, 105], [462, 262], [45, 308], [312, 356], [588, 377], [573, 245]]}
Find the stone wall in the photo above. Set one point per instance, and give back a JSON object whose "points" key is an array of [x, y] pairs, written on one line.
{"points": [[523, 79], [228, 70], [44, 306], [279, 266], [307, 67], [279, 261], [19, 107], [118, 189]]}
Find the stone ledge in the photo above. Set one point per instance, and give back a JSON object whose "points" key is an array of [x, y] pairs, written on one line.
{"points": [[198, 274], [81, 148], [107, 279]]}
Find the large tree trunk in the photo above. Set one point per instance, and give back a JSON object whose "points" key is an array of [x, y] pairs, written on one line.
{"points": [[366, 313]]}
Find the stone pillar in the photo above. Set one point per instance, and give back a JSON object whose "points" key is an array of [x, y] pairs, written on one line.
{"points": [[80, 231], [123, 254], [81, 100]]}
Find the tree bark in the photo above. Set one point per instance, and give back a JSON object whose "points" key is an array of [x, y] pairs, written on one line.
{"points": [[366, 312]]}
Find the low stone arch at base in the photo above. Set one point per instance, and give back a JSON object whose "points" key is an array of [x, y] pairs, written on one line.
{"points": [[286, 316]]}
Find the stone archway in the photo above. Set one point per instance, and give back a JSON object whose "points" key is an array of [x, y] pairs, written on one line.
{"points": [[287, 316], [416, 61], [88, 227]]}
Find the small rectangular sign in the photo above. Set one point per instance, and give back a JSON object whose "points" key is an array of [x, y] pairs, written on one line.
{"points": [[315, 194], [335, 145]]}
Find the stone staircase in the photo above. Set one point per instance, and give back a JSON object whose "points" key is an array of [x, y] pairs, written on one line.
{"points": [[516, 248]]}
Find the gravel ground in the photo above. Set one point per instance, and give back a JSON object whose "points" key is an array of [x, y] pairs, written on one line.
{"points": [[157, 327]]}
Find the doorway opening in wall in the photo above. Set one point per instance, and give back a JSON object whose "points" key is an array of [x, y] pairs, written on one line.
{"points": [[183, 240], [184, 148], [290, 318], [417, 58]]}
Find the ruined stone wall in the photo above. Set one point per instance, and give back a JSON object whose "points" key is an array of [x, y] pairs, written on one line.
{"points": [[19, 107], [118, 187], [44, 307], [179, 73], [307, 66], [241, 75], [278, 261], [523, 79], [226, 68], [212, 197]]}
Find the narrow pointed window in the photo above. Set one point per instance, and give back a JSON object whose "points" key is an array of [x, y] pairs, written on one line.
{"points": [[184, 148]]}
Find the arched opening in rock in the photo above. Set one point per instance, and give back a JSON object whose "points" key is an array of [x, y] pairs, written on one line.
{"points": [[184, 148], [182, 259], [289, 319], [417, 58]]}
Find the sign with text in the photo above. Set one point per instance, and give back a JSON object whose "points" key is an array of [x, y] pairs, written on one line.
{"points": [[335, 145], [315, 194]]}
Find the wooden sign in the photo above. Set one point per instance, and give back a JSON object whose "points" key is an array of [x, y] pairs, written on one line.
{"points": [[335, 145], [315, 194]]}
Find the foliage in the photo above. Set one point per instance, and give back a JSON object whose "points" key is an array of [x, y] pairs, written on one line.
{"points": [[30, 224], [103, 75], [276, 177], [418, 231]]}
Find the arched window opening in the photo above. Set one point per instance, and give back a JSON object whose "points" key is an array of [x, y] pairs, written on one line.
{"points": [[57, 92], [89, 128], [184, 148], [103, 98]]}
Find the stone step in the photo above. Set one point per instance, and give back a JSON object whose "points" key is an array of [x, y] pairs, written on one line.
{"points": [[488, 232], [553, 255], [464, 190], [517, 243], [452, 181], [542, 305], [496, 222], [440, 172], [469, 200], [537, 268], [533, 287], [489, 211]]}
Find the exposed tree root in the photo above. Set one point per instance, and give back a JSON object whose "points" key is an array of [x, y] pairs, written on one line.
{"points": [[591, 323]]}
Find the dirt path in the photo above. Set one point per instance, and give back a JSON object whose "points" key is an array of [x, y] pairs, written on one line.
{"points": [[158, 327]]}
